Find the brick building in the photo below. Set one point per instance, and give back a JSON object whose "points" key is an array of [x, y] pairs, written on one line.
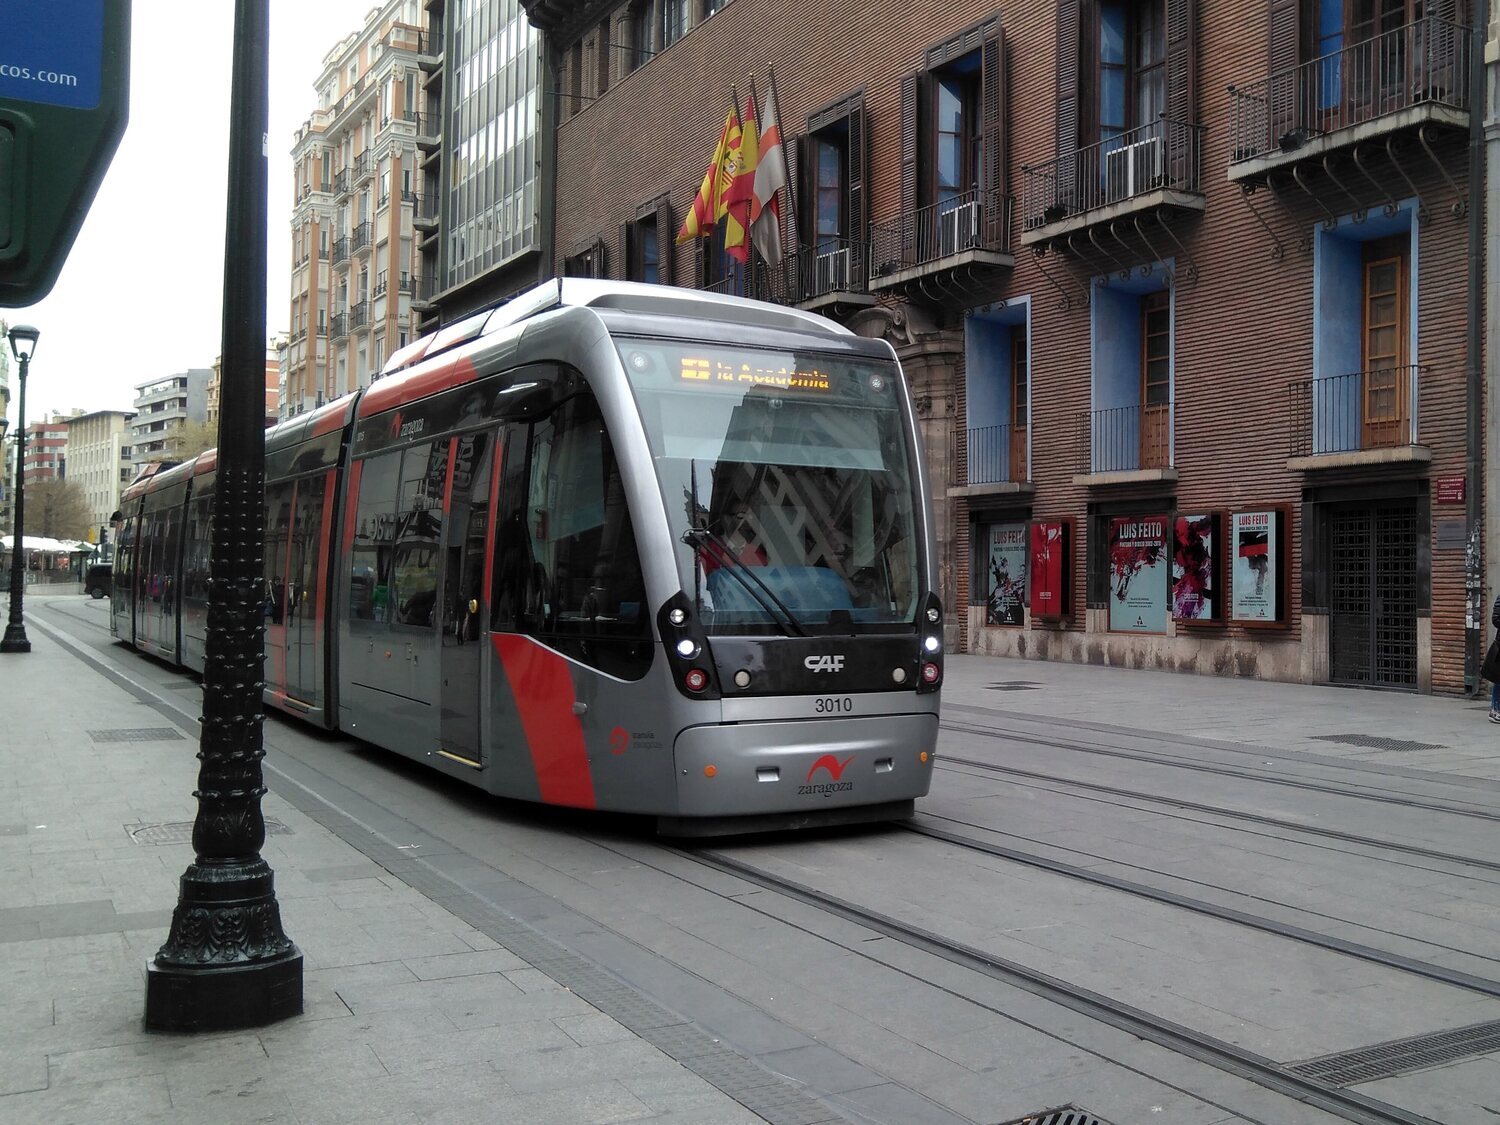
{"points": [[47, 448], [1182, 290]]}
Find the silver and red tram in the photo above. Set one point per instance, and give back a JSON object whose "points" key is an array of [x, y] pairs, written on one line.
{"points": [[606, 546]]}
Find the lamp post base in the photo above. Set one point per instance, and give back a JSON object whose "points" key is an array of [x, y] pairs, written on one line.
{"points": [[15, 640], [223, 997], [226, 963]]}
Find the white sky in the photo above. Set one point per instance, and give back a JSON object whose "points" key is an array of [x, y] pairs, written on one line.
{"points": [[139, 296]]}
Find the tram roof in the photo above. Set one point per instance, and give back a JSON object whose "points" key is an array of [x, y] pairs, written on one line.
{"points": [[629, 297]]}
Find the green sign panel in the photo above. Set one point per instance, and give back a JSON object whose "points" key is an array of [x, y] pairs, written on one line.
{"points": [[64, 88]]}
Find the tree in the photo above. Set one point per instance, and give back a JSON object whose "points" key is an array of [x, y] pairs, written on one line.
{"points": [[194, 438], [57, 509]]}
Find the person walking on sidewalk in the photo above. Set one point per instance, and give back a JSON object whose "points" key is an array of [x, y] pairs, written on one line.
{"points": [[1491, 668]]}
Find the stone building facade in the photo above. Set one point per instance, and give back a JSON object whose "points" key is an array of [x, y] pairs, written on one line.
{"points": [[1182, 289]]}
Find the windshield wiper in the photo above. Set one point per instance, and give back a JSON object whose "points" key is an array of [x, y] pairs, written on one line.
{"points": [[723, 555]]}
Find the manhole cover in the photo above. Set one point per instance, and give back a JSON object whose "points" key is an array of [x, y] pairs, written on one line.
{"points": [[1399, 1056], [137, 734], [181, 831], [1377, 742], [1062, 1115], [1015, 685]]}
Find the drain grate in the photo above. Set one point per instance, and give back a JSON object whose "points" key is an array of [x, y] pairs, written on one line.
{"points": [[137, 734], [1377, 742], [1062, 1115], [1015, 685], [1401, 1056], [181, 831]]}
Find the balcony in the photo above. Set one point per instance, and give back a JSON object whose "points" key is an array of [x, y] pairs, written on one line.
{"points": [[340, 251], [1151, 169], [427, 131], [424, 215], [362, 235], [380, 286], [338, 326], [1125, 445], [997, 455], [1357, 419], [958, 247], [832, 277], [341, 182], [407, 284], [359, 316], [1394, 83], [364, 167]]}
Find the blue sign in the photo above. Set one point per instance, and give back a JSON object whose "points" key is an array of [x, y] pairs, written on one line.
{"points": [[52, 51]]}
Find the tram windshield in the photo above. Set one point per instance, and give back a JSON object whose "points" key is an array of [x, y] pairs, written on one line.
{"points": [[788, 484]]}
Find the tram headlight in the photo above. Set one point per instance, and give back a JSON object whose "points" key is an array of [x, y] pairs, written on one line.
{"points": [[932, 645], [678, 617], [934, 614], [687, 648]]}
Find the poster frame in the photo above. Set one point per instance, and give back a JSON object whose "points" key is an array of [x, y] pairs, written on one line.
{"points": [[981, 591], [1164, 560], [1279, 568], [1218, 565], [1069, 536]]}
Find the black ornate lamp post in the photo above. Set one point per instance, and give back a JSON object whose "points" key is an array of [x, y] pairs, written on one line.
{"points": [[23, 340], [227, 962]]}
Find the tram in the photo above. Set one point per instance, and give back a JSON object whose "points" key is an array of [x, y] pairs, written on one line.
{"points": [[608, 546]]}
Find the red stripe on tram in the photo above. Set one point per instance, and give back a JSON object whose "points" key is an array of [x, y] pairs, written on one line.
{"points": [[543, 688]]}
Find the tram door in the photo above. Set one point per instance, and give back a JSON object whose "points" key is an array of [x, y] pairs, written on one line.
{"points": [[465, 599], [306, 546]]}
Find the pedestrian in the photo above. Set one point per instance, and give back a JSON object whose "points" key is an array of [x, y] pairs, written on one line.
{"points": [[1491, 668]]}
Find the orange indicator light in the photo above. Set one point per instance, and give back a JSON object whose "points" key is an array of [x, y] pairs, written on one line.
{"points": [[710, 771]]}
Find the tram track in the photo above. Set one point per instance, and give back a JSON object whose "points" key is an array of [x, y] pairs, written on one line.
{"points": [[1455, 808], [1210, 1050], [1425, 969], [1228, 813]]}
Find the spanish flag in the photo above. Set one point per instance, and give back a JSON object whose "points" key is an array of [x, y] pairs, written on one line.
{"points": [[740, 198], [708, 208]]}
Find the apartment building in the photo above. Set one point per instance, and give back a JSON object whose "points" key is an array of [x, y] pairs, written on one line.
{"points": [[1181, 288], [99, 462], [355, 174], [47, 448], [484, 221], [273, 378], [7, 449], [163, 408]]}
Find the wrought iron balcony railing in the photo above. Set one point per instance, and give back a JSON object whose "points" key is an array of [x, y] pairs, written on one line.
{"points": [[1423, 63], [362, 235], [359, 316], [1161, 155], [340, 250], [341, 182], [997, 454], [338, 326], [1355, 411], [364, 167], [1125, 439], [971, 220], [380, 285], [407, 284]]}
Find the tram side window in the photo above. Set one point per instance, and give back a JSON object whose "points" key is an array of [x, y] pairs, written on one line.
{"points": [[419, 532], [278, 527], [199, 549], [124, 558], [567, 568], [171, 545], [304, 578], [374, 535]]}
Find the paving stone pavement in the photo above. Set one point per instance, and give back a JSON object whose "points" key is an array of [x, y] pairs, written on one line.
{"points": [[411, 1014]]}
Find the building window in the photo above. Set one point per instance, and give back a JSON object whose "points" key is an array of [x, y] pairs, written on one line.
{"points": [[640, 33], [601, 58], [1130, 54], [712, 6], [674, 21]]}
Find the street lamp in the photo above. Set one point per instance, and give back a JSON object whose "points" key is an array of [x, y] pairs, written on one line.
{"points": [[23, 340]]}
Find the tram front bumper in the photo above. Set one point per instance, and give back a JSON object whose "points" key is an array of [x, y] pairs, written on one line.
{"points": [[739, 769]]}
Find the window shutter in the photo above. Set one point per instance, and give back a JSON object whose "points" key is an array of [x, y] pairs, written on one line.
{"points": [[798, 199], [992, 113], [855, 195], [700, 263], [1286, 35], [910, 95], [1069, 27], [1182, 19], [627, 256], [666, 240], [597, 264]]}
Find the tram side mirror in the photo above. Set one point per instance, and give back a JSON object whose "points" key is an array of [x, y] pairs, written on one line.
{"points": [[523, 400]]}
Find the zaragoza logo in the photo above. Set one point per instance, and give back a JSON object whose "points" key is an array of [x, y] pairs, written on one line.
{"points": [[834, 767]]}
